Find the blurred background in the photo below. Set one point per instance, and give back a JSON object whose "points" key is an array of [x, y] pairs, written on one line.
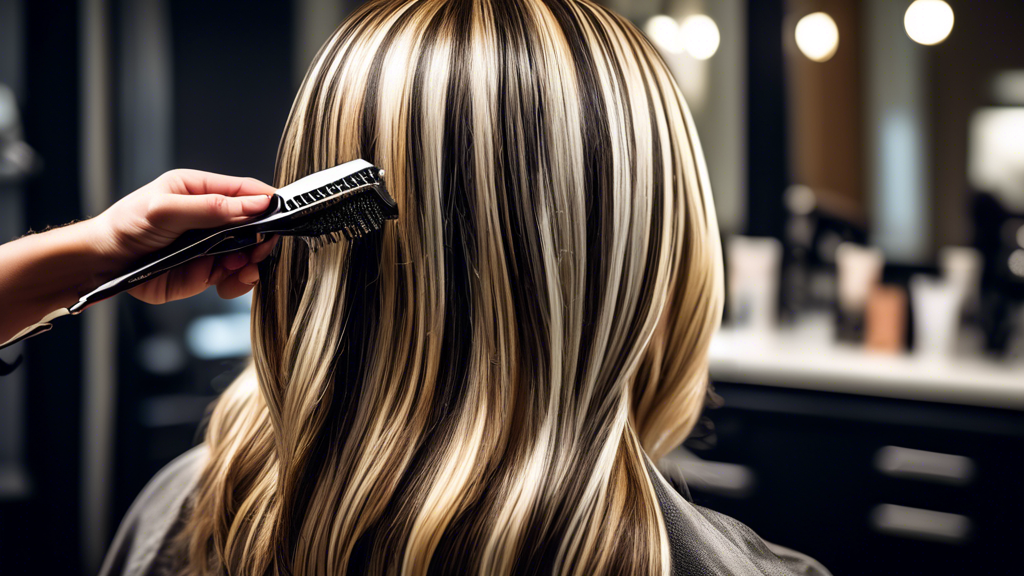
{"points": [[867, 161]]}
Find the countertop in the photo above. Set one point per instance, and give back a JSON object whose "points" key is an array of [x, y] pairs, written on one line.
{"points": [[806, 356]]}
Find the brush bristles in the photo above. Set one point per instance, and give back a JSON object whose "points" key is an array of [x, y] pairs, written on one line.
{"points": [[353, 216]]}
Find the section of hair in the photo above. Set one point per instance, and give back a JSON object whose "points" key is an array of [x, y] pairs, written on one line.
{"points": [[473, 390]]}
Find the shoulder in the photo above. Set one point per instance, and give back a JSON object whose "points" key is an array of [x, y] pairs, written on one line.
{"points": [[153, 515], [708, 543]]}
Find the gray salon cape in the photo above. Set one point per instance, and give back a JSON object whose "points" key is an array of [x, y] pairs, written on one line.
{"points": [[704, 543]]}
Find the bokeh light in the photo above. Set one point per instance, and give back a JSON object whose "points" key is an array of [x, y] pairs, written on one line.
{"points": [[664, 32], [700, 36], [817, 36], [928, 22]]}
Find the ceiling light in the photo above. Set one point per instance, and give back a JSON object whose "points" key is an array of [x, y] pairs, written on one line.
{"points": [[928, 22], [817, 36], [700, 36], [664, 32]]}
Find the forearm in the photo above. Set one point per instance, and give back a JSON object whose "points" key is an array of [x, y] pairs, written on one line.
{"points": [[43, 272]]}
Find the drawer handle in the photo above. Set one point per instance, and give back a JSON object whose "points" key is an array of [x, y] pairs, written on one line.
{"points": [[920, 524], [937, 467], [722, 478]]}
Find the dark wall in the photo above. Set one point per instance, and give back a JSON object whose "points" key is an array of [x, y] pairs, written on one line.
{"points": [[232, 84], [767, 143], [39, 534]]}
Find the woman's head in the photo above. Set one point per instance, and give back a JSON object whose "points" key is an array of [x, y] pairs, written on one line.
{"points": [[474, 389]]}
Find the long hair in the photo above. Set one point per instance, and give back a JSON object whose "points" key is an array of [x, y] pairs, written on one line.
{"points": [[477, 389]]}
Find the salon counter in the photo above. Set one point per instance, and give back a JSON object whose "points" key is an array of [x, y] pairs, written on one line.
{"points": [[806, 356], [871, 463]]}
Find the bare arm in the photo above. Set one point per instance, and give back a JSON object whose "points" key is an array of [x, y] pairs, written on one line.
{"points": [[43, 272]]}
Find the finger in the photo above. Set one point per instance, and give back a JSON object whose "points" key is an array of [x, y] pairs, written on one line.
{"points": [[221, 271], [218, 273], [249, 275], [183, 282], [244, 263], [262, 250], [177, 213], [184, 181], [235, 260], [232, 287], [190, 279]]}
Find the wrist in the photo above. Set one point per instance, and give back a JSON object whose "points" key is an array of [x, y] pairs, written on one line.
{"points": [[43, 272], [80, 258], [95, 238], [93, 242]]}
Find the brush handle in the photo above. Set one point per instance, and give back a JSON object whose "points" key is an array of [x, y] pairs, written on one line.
{"points": [[36, 329], [187, 247]]}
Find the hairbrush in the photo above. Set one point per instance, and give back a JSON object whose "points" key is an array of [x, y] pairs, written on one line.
{"points": [[347, 201]]}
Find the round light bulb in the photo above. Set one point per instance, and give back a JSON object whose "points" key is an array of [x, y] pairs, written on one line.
{"points": [[664, 32], [1016, 262], [700, 36], [817, 36], [928, 22]]}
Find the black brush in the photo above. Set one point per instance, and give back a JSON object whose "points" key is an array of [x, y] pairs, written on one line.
{"points": [[347, 201]]}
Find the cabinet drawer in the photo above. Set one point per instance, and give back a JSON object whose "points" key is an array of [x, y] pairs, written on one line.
{"points": [[871, 485]]}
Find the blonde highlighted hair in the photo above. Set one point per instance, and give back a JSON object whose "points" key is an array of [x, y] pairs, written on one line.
{"points": [[477, 389]]}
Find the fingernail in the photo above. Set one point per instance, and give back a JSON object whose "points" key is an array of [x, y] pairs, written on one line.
{"points": [[235, 261], [254, 204]]}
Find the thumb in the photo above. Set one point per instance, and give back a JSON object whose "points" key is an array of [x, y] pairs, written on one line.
{"points": [[177, 213]]}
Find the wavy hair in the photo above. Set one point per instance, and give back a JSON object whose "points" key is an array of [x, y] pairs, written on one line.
{"points": [[477, 389]]}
